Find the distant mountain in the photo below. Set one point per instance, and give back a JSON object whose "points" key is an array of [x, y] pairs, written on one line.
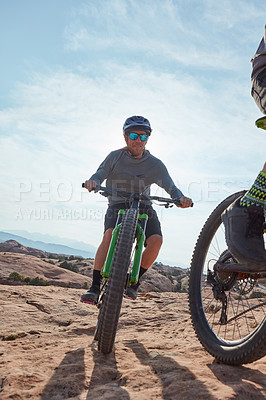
{"points": [[41, 237], [12, 246], [48, 247]]}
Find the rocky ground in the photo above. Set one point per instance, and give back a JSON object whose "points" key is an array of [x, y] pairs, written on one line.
{"points": [[47, 351]]}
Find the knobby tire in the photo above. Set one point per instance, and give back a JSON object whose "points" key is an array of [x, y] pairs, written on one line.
{"points": [[111, 307], [246, 349]]}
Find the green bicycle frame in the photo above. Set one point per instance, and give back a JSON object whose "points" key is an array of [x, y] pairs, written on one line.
{"points": [[140, 237], [134, 275]]}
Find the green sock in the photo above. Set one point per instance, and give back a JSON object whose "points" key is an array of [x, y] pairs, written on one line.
{"points": [[257, 193]]}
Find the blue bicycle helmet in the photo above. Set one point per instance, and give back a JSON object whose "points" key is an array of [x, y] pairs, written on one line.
{"points": [[137, 122]]}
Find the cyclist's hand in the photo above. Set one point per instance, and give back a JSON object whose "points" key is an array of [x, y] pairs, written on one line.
{"points": [[90, 185], [185, 201]]}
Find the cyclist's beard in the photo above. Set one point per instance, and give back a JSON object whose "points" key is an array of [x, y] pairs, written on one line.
{"points": [[136, 149]]}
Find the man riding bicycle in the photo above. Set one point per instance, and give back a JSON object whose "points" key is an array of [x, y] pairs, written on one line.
{"points": [[132, 169], [244, 219]]}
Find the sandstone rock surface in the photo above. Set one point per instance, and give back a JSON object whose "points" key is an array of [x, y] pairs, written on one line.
{"points": [[52, 355]]}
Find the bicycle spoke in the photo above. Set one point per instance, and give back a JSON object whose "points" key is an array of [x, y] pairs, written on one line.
{"points": [[228, 308], [241, 316]]}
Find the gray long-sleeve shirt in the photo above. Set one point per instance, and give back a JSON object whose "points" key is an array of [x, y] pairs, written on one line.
{"points": [[134, 175]]}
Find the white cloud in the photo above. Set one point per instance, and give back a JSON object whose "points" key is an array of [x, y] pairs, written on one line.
{"points": [[148, 30], [232, 14], [64, 124], [178, 63]]}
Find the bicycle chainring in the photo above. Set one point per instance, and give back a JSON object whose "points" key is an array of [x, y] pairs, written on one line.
{"points": [[226, 279]]}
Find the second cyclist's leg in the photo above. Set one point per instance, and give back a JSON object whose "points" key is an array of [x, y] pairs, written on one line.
{"points": [[243, 222]]}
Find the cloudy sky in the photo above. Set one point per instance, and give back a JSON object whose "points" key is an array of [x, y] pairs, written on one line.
{"points": [[73, 70]]}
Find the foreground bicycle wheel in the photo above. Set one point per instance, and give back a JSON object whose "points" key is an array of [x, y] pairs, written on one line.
{"points": [[100, 306], [111, 307], [228, 309]]}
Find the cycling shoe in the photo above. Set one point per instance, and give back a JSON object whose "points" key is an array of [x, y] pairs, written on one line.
{"points": [[91, 296]]}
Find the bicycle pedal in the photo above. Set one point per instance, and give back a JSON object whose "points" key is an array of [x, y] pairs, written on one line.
{"points": [[128, 297]]}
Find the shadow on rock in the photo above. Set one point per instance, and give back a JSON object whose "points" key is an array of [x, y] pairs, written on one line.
{"points": [[68, 379], [177, 381], [244, 381], [105, 378]]}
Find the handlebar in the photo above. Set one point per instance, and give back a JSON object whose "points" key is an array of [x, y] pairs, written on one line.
{"points": [[105, 191]]}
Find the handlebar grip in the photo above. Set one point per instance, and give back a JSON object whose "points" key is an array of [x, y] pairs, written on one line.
{"points": [[95, 188], [177, 203]]}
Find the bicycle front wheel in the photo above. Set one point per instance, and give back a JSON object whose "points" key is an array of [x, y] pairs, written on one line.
{"points": [[116, 282], [227, 308]]}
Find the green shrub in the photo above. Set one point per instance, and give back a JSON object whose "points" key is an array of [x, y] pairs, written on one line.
{"points": [[69, 266], [171, 278], [38, 282], [10, 337], [176, 272], [15, 276]]}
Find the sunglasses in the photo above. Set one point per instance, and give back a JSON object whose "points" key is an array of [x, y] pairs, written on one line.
{"points": [[134, 136]]}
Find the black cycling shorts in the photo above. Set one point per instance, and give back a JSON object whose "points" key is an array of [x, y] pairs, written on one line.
{"points": [[153, 224]]}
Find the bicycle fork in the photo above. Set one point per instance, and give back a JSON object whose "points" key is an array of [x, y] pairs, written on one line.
{"points": [[140, 238]]}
